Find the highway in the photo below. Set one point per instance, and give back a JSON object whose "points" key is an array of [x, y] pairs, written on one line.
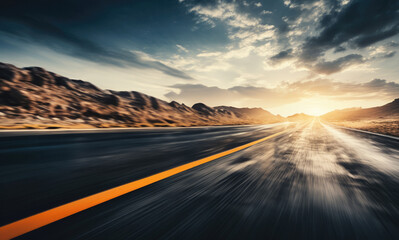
{"points": [[308, 180]]}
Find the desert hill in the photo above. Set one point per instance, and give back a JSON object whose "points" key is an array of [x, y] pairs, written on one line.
{"points": [[390, 110], [252, 114], [33, 97]]}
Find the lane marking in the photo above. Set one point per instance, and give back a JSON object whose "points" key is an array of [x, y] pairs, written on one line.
{"points": [[36, 221]]}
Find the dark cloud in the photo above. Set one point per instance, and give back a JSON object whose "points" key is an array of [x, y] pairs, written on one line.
{"points": [[360, 24], [301, 2], [208, 3], [339, 49], [389, 55], [282, 56], [367, 40], [30, 29], [356, 25], [382, 85], [103, 31], [350, 91], [392, 44], [339, 64], [283, 28]]}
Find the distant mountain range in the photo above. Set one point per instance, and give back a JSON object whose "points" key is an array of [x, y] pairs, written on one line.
{"points": [[390, 110], [297, 117], [33, 95]]}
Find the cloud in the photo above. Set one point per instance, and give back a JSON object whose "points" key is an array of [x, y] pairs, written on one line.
{"points": [[264, 12], [282, 56], [360, 24], [286, 93], [339, 64], [343, 26], [44, 33], [339, 49], [242, 26], [298, 3], [321, 66], [339, 90], [226, 12], [382, 52], [389, 55], [392, 44], [306, 35], [209, 54], [181, 48]]}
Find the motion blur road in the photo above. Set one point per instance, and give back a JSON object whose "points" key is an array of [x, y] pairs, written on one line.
{"points": [[314, 181]]}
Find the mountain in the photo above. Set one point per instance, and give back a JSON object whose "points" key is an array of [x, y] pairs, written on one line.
{"points": [[390, 110], [299, 117], [33, 97], [255, 115]]}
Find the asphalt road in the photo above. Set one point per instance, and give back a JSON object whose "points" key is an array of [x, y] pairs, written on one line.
{"points": [[314, 181]]}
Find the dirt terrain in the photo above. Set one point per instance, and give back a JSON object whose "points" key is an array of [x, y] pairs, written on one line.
{"points": [[383, 119], [384, 126]]}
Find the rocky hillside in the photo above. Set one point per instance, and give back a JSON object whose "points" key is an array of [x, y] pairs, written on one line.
{"points": [[35, 98], [390, 110]]}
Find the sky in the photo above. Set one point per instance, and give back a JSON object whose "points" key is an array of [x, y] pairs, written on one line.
{"points": [[286, 56]]}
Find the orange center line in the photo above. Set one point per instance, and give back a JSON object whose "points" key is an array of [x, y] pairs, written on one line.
{"points": [[36, 221]]}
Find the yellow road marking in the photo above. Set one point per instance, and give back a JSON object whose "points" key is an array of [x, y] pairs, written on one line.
{"points": [[36, 221]]}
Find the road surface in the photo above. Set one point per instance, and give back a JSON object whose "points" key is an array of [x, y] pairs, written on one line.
{"points": [[312, 181]]}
